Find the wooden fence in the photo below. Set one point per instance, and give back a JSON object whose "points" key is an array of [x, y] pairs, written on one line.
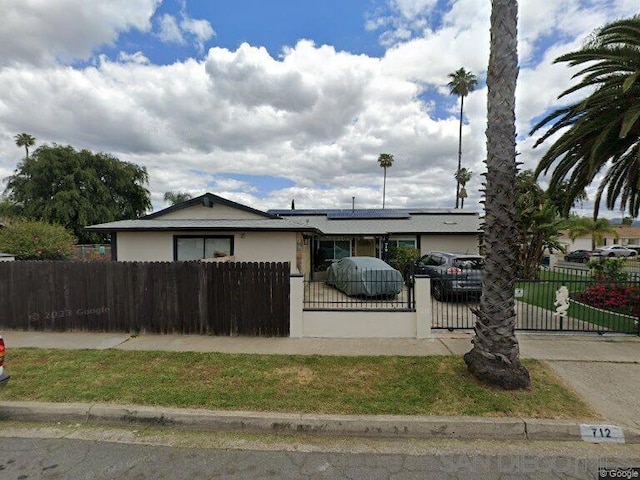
{"points": [[177, 297]]}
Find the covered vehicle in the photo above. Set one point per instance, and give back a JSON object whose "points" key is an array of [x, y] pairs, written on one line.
{"points": [[367, 276]]}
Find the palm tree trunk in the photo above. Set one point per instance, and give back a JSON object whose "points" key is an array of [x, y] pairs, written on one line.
{"points": [[495, 356], [459, 150], [384, 187]]}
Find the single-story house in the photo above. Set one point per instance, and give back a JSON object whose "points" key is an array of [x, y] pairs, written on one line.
{"points": [[6, 257], [210, 226], [371, 232], [628, 236]]}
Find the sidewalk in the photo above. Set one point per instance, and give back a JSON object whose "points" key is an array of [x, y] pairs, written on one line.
{"points": [[604, 370]]}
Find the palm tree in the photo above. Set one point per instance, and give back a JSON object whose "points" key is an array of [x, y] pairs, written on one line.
{"points": [[461, 84], [597, 228], [385, 160], [177, 197], [603, 129], [25, 140], [495, 356], [462, 176]]}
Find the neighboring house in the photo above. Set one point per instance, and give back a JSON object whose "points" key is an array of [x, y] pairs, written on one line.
{"points": [[5, 257], [628, 236], [371, 232], [210, 226]]}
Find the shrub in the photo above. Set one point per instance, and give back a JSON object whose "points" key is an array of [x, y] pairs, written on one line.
{"points": [[36, 240], [400, 257], [608, 269]]}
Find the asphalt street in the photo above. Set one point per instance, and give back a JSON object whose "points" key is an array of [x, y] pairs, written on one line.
{"points": [[105, 454]]}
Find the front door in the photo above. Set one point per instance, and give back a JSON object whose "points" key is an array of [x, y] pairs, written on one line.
{"points": [[365, 247]]}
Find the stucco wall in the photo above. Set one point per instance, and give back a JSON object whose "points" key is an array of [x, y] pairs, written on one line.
{"points": [[449, 243], [248, 246], [217, 212]]}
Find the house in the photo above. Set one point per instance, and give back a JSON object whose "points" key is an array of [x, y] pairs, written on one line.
{"points": [[371, 232], [5, 257], [628, 236], [210, 226]]}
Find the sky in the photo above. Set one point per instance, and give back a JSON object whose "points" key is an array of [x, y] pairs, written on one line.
{"points": [[262, 102]]}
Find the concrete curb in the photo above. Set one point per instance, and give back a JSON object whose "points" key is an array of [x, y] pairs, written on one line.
{"points": [[387, 426]]}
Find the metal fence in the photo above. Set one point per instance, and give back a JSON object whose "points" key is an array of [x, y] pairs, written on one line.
{"points": [[319, 295], [564, 299]]}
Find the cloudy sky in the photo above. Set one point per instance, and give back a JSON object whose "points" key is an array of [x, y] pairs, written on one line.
{"points": [[263, 101]]}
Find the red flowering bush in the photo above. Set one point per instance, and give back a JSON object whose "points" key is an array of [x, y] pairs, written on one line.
{"points": [[611, 296]]}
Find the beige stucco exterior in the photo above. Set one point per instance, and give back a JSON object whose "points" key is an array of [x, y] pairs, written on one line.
{"points": [[449, 243], [248, 246], [218, 212]]}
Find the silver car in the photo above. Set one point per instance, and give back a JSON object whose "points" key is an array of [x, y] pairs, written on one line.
{"points": [[614, 251]]}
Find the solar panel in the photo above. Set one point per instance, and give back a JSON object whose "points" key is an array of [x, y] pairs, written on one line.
{"points": [[367, 214]]}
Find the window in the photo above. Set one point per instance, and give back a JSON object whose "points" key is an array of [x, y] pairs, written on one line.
{"points": [[405, 242], [187, 248], [329, 250]]}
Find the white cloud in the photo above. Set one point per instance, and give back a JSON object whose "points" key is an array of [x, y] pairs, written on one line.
{"points": [[43, 32], [172, 30], [169, 31], [313, 115]]}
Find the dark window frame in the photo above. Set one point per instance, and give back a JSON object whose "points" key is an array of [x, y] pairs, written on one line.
{"points": [[204, 237]]}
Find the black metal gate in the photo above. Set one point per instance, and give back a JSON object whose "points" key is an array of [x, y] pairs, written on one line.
{"points": [[559, 301]]}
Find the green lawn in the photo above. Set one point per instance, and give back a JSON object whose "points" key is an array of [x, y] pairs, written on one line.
{"points": [[321, 384], [542, 294]]}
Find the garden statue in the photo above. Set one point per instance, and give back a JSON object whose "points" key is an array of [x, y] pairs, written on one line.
{"points": [[562, 302]]}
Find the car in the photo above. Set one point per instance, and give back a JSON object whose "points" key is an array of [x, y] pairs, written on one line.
{"points": [[4, 376], [365, 276], [615, 251], [580, 256], [452, 274]]}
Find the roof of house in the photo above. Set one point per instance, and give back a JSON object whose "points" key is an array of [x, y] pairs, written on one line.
{"points": [[387, 221], [208, 200], [145, 224]]}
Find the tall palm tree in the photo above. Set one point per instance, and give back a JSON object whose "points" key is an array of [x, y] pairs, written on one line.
{"points": [[495, 356], [463, 176], [385, 160], [602, 130], [177, 197], [25, 140], [597, 228], [461, 84]]}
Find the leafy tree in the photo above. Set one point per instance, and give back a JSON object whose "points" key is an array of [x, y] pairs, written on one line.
{"points": [[25, 140], [385, 160], [539, 225], [36, 240], [563, 200], [495, 356], [462, 176], [627, 221], [461, 84], [602, 130], [177, 197], [77, 188], [598, 229]]}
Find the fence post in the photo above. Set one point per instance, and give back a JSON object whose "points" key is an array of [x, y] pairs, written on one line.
{"points": [[296, 299], [422, 294]]}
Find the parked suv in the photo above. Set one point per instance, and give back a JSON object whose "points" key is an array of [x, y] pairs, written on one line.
{"points": [[451, 273], [4, 377]]}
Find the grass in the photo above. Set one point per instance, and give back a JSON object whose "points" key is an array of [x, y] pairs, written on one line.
{"points": [[311, 384], [542, 294]]}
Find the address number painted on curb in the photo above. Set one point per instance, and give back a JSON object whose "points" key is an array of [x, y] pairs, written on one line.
{"points": [[602, 434]]}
